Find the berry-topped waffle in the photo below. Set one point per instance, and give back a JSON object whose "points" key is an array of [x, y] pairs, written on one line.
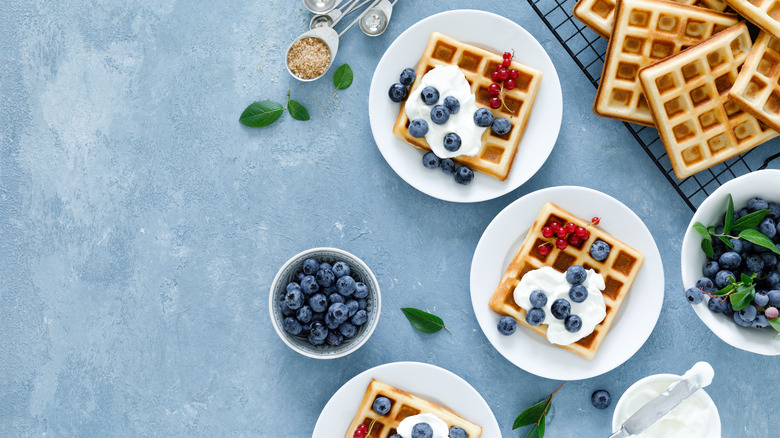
{"points": [[619, 267]]}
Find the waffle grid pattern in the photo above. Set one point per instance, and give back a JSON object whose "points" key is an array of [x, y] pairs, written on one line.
{"points": [[587, 49], [757, 88], [403, 405], [688, 96], [477, 64], [619, 270], [763, 13]]}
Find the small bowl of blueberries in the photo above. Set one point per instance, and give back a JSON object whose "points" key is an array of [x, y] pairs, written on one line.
{"points": [[324, 303], [730, 262]]}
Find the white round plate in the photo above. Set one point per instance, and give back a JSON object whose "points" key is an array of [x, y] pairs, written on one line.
{"points": [[632, 325], [421, 379], [492, 32], [761, 183]]}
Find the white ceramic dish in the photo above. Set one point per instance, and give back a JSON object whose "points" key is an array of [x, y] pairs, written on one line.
{"points": [[421, 379], [491, 32], [762, 183], [632, 325], [622, 411]]}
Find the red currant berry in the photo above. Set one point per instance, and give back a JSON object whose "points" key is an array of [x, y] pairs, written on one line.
{"points": [[561, 243], [494, 89], [595, 221], [574, 239], [570, 227], [360, 434], [580, 232], [503, 74], [560, 232], [543, 249], [362, 427], [507, 62], [509, 84], [507, 55], [547, 232], [494, 76], [586, 236], [495, 102], [513, 74], [555, 226]]}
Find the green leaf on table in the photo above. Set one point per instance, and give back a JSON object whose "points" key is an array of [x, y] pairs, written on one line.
{"points": [[531, 415], [706, 246], [261, 114], [701, 229], [759, 238], [423, 321], [343, 77], [534, 432], [297, 111], [541, 426], [742, 297], [749, 220]]}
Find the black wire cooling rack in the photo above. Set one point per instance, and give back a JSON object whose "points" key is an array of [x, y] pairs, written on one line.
{"points": [[587, 49]]}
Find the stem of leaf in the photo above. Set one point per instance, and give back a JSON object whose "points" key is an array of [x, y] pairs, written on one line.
{"points": [[549, 402]]}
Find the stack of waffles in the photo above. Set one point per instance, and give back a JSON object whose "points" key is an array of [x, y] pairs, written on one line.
{"points": [[692, 72], [403, 405], [497, 154], [619, 270]]}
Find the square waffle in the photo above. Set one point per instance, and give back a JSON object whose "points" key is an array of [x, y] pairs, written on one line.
{"points": [[688, 96], [600, 14], [763, 13], [497, 154], [403, 405], [757, 89], [619, 271], [647, 31]]}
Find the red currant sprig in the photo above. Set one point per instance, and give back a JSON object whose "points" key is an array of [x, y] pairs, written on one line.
{"points": [[361, 431], [564, 235], [503, 77]]}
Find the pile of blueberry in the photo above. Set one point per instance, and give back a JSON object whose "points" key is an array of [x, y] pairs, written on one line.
{"points": [[326, 305], [748, 259], [382, 406]]}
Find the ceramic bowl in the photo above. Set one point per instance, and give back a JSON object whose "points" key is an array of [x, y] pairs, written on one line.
{"points": [[359, 271], [762, 183]]}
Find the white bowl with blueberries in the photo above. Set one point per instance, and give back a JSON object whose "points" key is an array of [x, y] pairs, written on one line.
{"points": [[324, 303], [733, 283]]}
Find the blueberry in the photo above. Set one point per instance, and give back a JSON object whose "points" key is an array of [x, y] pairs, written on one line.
{"points": [[325, 277], [341, 269], [754, 263], [331, 322], [746, 246], [741, 322], [723, 278], [336, 297], [300, 276], [362, 304], [501, 126], [304, 314], [292, 326], [464, 175], [381, 405], [359, 318], [726, 307], [429, 95], [736, 245], [407, 76], [600, 250], [346, 285], [578, 293], [361, 290], [334, 338], [757, 203], [318, 302], [760, 321], [318, 316], [348, 330], [773, 279], [710, 269], [292, 285], [452, 104], [768, 227], [447, 166], [311, 266], [422, 430], [294, 299], [742, 212], [576, 274], [286, 311], [352, 305], [318, 333], [339, 312], [715, 304], [730, 260], [507, 325], [770, 260], [705, 284], [774, 297], [761, 298], [330, 290], [309, 285], [457, 432], [398, 92], [430, 160], [573, 323], [440, 114], [538, 298], [534, 316], [418, 128], [601, 399], [694, 295], [748, 313], [483, 117], [561, 308], [774, 212], [452, 142]]}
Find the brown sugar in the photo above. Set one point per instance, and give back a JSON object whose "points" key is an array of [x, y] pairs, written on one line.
{"points": [[308, 58]]}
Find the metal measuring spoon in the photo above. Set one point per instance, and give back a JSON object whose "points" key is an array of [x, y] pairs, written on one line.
{"points": [[332, 17], [331, 39], [376, 19], [320, 6]]}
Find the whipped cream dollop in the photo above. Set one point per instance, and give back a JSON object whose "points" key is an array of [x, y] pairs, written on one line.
{"points": [[553, 283], [449, 81], [440, 429], [695, 417]]}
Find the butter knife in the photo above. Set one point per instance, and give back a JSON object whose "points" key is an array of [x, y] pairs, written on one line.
{"points": [[696, 378]]}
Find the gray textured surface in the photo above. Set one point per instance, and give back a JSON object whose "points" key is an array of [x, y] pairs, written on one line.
{"points": [[141, 225]]}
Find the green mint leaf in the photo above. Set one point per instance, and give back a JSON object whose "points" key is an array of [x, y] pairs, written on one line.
{"points": [[758, 238], [297, 111], [533, 432], [541, 426], [423, 321], [706, 246], [749, 221], [261, 114], [726, 241], [729, 219], [742, 297], [745, 279], [531, 415], [343, 77], [701, 229], [775, 323], [724, 291]]}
